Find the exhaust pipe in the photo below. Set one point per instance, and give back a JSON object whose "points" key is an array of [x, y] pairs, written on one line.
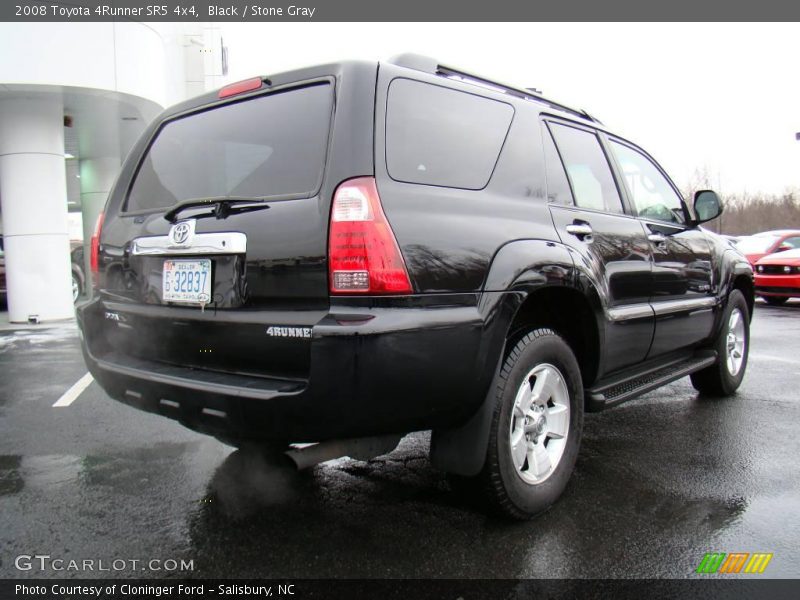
{"points": [[358, 448]]}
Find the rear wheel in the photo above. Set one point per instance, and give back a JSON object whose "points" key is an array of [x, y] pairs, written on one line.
{"points": [[775, 300], [536, 426], [732, 346]]}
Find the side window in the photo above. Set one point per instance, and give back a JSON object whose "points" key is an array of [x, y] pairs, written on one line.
{"points": [[587, 168], [794, 242], [557, 184], [650, 191]]}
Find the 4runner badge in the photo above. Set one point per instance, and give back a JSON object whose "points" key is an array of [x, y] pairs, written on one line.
{"points": [[292, 332], [181, 233]]}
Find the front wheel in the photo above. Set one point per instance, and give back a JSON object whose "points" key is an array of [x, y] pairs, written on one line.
{"points": [[536, 426], [732, 346]]}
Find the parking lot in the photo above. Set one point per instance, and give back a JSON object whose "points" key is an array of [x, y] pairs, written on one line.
{"points": [[659, 482]]}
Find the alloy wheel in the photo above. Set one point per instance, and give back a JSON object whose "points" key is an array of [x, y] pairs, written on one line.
{"points": [[539, 423], [735, 342]]}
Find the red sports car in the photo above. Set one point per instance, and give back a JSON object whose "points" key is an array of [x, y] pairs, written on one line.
{"points": [[757, 246], [778, 277]]}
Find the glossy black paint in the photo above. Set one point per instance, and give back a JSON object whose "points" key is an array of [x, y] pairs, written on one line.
{"points": [[287, 244], [285, 266], [449, 236], [359, 379], [682, 272], [615, 262], [477, 260]]}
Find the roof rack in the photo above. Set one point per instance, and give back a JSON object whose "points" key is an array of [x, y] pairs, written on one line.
{"points": [[430, 65]]}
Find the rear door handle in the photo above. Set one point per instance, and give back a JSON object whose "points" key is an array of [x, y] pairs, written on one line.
{"points": [[579, 229]]}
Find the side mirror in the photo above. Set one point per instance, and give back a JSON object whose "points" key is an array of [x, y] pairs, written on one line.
{"points": [[784, 247], [707, 205]]}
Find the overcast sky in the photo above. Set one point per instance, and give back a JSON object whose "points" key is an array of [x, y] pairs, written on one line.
{"points": [[725, 97]]}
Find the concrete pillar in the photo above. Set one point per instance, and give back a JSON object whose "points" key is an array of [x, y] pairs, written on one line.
{"points": [[33, 191], [97, 177]]}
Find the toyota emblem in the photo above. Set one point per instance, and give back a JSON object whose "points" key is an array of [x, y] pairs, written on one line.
{"points": [[181, 233]]}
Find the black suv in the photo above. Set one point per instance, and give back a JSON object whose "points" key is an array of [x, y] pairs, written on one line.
{"points": [[336, 256]]}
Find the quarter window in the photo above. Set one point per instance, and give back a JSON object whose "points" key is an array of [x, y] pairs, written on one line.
{"points": [[650, 191], [557, 184], [439, 136], [587, 168]]}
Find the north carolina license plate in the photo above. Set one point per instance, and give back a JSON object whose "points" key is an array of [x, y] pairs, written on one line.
{"points": [[187, 281]]}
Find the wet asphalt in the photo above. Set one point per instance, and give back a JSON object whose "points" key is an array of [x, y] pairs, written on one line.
{"points": [[659, 482]]}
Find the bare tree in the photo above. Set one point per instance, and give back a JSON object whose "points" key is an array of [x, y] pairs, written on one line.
{"points": [[744, 213], [747, 214]]}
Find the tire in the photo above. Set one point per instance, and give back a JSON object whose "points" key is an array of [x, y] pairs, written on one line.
{"points": [[513, 483], [775, 300], [724, 377]]}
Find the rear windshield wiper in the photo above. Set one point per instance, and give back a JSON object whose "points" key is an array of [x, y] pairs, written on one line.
{"points": [[219, 203], [224, 205]]}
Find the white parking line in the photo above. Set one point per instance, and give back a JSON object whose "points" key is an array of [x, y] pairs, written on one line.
{"points": [[76, 390], [765, 357]]}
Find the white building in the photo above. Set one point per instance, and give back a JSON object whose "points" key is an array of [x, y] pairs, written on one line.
{"points": [[73, 99]]}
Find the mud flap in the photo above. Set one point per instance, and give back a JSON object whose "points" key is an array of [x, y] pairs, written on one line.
{"points": [[462, 450]]}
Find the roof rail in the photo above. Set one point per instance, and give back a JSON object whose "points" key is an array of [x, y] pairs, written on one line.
{"points": [[430, 65]]}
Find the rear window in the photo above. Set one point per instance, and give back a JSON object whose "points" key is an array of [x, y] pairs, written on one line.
{"points": [[270, 145], [439, 136]]}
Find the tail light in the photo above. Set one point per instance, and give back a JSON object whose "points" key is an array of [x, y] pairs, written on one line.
{"points": [[94, 257], [363, 255]]}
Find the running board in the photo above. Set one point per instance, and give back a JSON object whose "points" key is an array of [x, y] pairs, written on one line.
{"points": [[617, 390]]}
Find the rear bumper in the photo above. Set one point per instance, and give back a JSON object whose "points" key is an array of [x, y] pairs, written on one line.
{"points": [[372, 371]]}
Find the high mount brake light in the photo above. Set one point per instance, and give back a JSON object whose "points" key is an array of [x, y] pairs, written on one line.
{"points": [[363, 255], [240, 87]]}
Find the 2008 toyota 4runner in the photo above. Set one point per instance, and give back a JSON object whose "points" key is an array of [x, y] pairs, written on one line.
{"points": [[344, 254]]}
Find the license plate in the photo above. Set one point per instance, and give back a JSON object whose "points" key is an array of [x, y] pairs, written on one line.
{"points": [[187, 281]]}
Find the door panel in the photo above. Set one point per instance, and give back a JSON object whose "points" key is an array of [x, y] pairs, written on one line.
{"points": [[609, 247], [615, 257], [683, 297]]}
